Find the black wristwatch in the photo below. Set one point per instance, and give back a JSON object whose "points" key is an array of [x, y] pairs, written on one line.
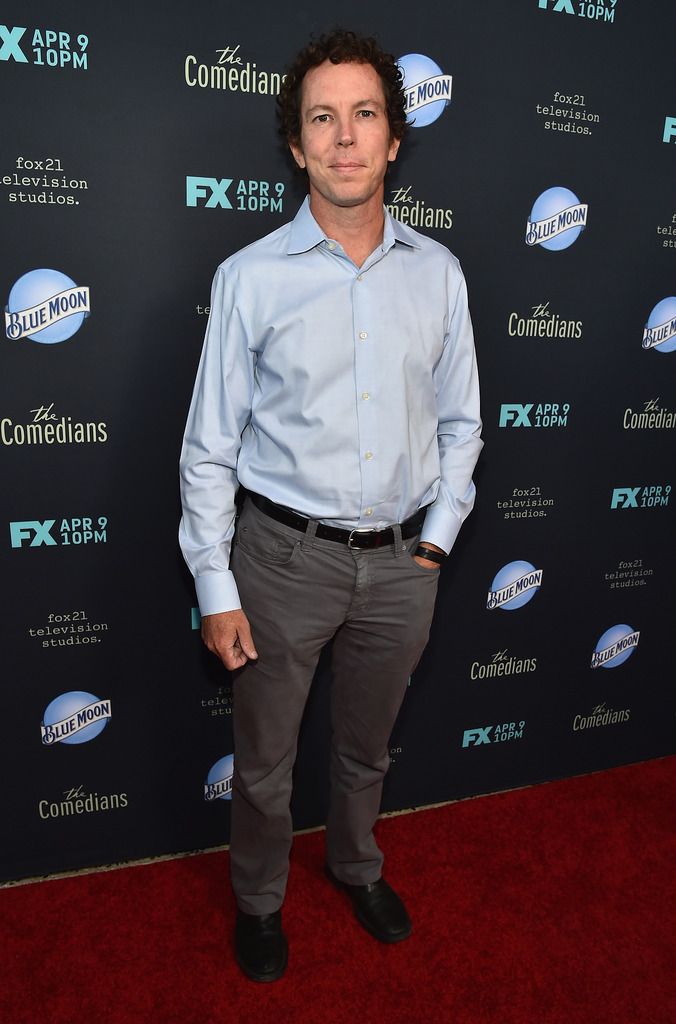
{"points": [[433, 556]]}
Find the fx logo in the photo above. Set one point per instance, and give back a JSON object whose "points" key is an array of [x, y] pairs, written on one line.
{"points": [[559, 5], [624, 497], [669, 132], [10, 48], [40, 533], [475, 737], [518, 413], [9, 37], [213, 188]]}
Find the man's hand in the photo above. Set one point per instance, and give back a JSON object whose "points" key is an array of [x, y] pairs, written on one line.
{"points": [[427, 563], [228, 636]]}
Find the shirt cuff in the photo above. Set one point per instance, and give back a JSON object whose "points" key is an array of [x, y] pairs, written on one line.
{"points": [[441, 527], [217, 592]]}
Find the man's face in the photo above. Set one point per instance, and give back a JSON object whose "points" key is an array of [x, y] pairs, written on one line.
{"points": [[345, 141]]}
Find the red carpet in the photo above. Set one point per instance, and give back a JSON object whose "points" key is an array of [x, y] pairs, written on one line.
{"points": [[550, 905]]}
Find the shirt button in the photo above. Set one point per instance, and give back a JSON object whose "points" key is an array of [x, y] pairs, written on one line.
{"points": [[363, 335], [368, 455], [368, 511], [332, 246], [365, 395], [359, 277]]}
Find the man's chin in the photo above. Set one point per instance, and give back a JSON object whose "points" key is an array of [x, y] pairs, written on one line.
{"points": [[346, 200], [347, 197], [352, 201]]}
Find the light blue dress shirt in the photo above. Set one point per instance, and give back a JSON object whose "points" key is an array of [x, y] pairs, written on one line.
{"points": [[349, 394]]}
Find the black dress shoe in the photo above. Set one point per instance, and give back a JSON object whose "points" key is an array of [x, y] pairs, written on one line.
{"points": [[377, 908], [261, 949]]}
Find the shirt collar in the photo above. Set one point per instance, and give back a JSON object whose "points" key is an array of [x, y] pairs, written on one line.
{"points": [[395, 231], [306, 233]]}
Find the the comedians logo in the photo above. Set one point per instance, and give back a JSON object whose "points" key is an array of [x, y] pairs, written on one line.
{"points": [[219, 780], [616, 645], [514, 586], [599, 10], [74, 717], [76, 801], [502, 665], [46, 306], [35, 533], [248, 194], [660, 330], [547, 414], [650, 496], [47, 47], [417, 213], [45, 427], [427, 89], [600, 716], [231, 72], [556, 219], [652, 417], [493, 734], [542, 323]]}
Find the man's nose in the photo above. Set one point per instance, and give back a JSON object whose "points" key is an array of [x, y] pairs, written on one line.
{"points": [[344, 134]]}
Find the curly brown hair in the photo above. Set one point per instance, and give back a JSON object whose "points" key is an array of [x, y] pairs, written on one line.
{"points": [[342, 47]]}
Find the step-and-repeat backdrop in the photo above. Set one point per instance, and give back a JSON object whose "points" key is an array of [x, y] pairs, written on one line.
{"points": [[139, 150]]}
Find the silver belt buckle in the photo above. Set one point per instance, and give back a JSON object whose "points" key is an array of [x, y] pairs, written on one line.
{"points": [[362, 529]]}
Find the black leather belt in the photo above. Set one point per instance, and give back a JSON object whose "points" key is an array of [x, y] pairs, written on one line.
{"points": [[353, 538]]}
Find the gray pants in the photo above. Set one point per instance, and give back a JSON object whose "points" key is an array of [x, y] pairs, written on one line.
{"points": [[299, 592]]}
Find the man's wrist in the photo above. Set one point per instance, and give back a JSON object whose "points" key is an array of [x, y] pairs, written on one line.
{"points": [[431, 552]]}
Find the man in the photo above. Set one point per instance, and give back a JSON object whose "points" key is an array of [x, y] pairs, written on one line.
{"points": [[338, 385]]}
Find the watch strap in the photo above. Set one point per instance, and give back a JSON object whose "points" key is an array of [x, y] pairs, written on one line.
{"points": [[433, 556]]}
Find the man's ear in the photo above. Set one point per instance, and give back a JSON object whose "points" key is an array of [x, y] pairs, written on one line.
{"points": [[297, 154]]}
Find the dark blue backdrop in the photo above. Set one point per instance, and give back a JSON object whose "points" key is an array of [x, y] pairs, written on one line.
{"points": [[120, 135]]}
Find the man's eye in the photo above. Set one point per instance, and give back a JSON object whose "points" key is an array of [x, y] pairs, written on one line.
{"points": [[321, 118], [366, 113]]}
